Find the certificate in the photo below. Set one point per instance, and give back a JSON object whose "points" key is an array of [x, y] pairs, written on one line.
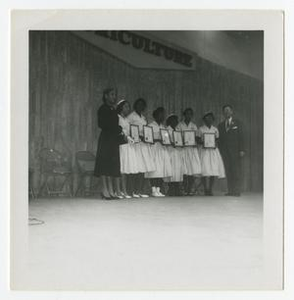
{"points": [[148, 135], [134, 132], [189, 138], [165, 138], [178, 138], [209, 140]]}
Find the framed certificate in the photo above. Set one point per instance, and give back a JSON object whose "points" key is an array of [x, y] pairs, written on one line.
{"points": [[165, 137], [148, 134], [209, 140], [189, 138], [178, 138], [134, 132]]}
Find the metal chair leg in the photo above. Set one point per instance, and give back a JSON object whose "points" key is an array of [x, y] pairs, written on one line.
{"points": [[79, 186], [41, 189]]}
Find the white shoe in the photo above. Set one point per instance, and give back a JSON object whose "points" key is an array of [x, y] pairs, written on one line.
{"points": [[119, 196], [126, 196], [154, 192], [135, 195], [143, 196], [159, 193]]}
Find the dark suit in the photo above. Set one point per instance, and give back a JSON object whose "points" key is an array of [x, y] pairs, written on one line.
{"points": [[231, 142]]}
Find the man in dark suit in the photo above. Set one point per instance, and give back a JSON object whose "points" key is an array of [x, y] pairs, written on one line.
{"points": [[231, 145]]}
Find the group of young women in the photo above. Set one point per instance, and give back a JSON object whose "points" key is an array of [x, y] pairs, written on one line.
{"points": [[125, 165]]}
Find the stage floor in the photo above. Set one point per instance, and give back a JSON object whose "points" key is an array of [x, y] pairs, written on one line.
{"points": [[156, 243]]}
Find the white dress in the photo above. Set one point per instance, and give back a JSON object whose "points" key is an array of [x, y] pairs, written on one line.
{"points": [[192, 164], [211, 160], [177, 160], [144, 155], [161, 155], [127, 153]]}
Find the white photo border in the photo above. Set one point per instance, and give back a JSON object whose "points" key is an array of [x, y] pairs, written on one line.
{"points": [[269, 21]]}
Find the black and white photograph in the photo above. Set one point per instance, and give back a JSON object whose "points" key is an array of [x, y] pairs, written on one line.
{"points": [[88, 87], [146, 159]]}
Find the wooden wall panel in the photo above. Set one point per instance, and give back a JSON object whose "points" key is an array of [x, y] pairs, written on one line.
{"points": [[68, 75]]}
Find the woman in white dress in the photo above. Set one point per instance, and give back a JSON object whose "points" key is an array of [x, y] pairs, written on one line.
{"points": [[177, 161], [211, 160], [192, 164], [160, 153], [128, 160], [144, 156]]}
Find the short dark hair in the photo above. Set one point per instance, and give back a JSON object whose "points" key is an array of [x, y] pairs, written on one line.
{"points": [[138, 101], [106, 92], [207, 115], [170, 119], [188, 109], [227, 105], [157, 111], [120, 106]]}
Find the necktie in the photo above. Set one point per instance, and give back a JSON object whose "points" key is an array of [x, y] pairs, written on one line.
{"points": [[227, 125]]}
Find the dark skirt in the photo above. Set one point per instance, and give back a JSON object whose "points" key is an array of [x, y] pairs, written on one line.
{"points": [[107, 158]]}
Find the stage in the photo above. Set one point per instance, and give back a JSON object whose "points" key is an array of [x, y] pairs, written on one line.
{"points": [[156, 243]]}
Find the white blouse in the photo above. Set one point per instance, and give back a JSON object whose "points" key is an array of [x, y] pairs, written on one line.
{"points": [[156, 129], [204, 129], [125, 125], [135, 119], [170, 131], [182, 126]]}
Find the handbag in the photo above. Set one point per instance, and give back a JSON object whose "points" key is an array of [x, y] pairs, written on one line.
{"points": [[122, 139]]}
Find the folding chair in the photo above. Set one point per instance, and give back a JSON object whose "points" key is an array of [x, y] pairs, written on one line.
{"points": [[54, 165], [85, 161]]}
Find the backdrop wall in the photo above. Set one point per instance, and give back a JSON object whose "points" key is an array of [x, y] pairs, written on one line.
{"points": [[68, 75]]}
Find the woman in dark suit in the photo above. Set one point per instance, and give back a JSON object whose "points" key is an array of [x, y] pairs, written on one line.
{"points": [[107, 160]]}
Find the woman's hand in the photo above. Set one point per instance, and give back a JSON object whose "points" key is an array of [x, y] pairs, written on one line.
{"points": [[199, 140], [130, 140], [125, 138]]}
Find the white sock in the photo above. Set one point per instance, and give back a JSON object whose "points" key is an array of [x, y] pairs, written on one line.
{"points": [[159, 193]]}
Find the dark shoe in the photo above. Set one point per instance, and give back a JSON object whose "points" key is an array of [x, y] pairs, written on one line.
{"points": [[236, 194], [104, 197]]}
